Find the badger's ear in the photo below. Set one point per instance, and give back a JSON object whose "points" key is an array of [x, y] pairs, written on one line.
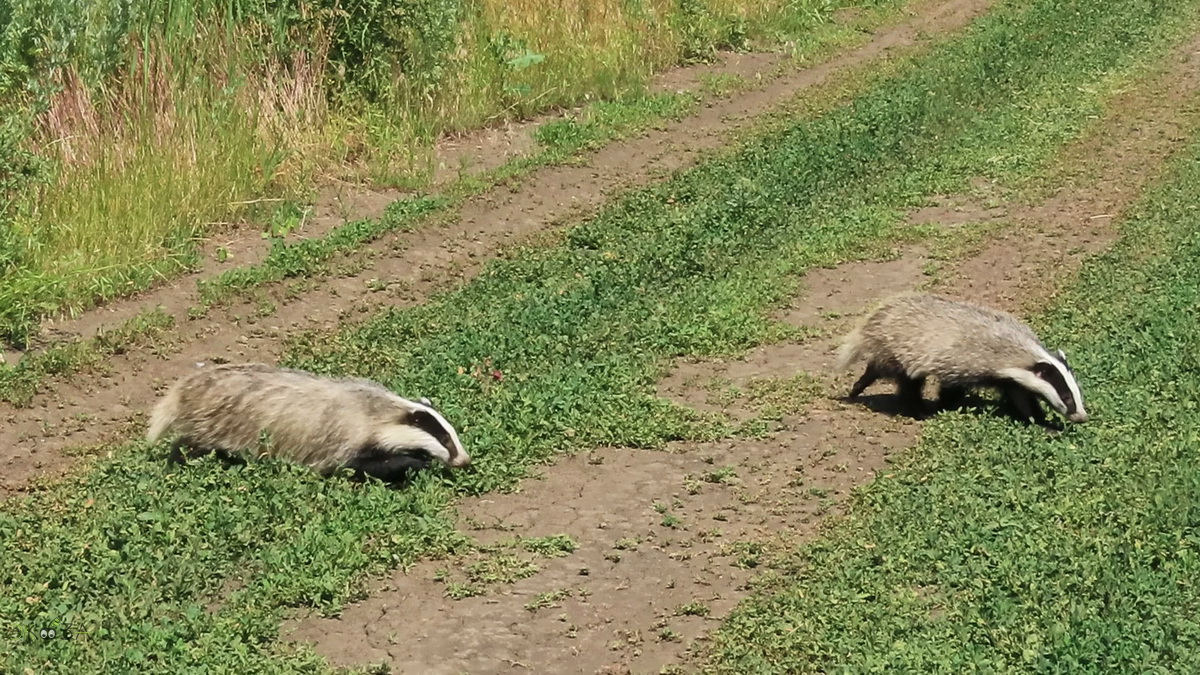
{"points": [[425, 402]]}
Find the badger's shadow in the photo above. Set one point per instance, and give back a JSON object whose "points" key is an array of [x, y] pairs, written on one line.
{"points": [[892, 405], [971, 403]]}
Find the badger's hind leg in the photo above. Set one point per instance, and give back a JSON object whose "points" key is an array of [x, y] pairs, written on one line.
{"points": [[951, 395], [869, 377]]}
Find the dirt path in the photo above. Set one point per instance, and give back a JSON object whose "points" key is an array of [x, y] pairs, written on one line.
{"points": [[92, 408], [668, 540]]}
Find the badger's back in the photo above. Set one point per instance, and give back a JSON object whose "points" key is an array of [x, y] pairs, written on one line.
{"points": [[922, 334], [316, 421]]}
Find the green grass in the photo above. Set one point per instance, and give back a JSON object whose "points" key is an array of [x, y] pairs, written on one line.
{"points": [[554, 546], [999, 548], [559, 142], [127, 134], [549, 350]]}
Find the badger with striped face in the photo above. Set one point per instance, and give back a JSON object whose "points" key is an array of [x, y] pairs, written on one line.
{"points": [[322, 422], [911, 336]]}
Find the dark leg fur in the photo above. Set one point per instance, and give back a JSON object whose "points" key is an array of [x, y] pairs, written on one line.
{"points": [[951, 397], [910, 393], [389, 468], [177, 455], [1025, 405], [868, 378]]}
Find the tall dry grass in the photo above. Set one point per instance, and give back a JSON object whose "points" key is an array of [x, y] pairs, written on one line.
{"points": [[209, 110]]}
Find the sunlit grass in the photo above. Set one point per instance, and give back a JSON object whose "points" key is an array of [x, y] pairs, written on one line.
{"points": [[1000, 547], [549, 350], [166, 121]]}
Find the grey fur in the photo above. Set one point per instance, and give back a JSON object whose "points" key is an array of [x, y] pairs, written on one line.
{"points": [[911, 336], [323, 422]]}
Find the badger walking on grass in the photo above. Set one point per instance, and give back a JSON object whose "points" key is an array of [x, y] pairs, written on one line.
{"points": [[911, 336], [324, 423]]}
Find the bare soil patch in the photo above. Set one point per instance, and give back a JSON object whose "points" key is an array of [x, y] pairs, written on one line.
{"points": [[94, 407], [639, 591], [955, 211], [655, 585]]}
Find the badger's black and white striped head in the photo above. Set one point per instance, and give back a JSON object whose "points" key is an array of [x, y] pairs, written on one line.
{"points": [[1051, 377], [421, 427]]}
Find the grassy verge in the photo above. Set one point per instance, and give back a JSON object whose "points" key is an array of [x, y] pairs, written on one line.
{"points": [[547, 351], [559, 142], [130, 134], [999, 548]]}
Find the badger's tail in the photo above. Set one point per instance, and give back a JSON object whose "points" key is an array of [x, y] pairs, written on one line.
{"points": [[163, 415], [850, 350]]}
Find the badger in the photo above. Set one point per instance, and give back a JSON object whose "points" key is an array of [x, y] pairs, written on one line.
{"points": [[913, 335], [324, 423]]}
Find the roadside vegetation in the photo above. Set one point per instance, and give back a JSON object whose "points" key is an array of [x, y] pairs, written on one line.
{"points": [[308, 258], [558, 141], [128, 132], [556, 348]]}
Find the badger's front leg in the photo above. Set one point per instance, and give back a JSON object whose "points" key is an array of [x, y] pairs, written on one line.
{"points": [[387, 467], [1025, 404]]}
